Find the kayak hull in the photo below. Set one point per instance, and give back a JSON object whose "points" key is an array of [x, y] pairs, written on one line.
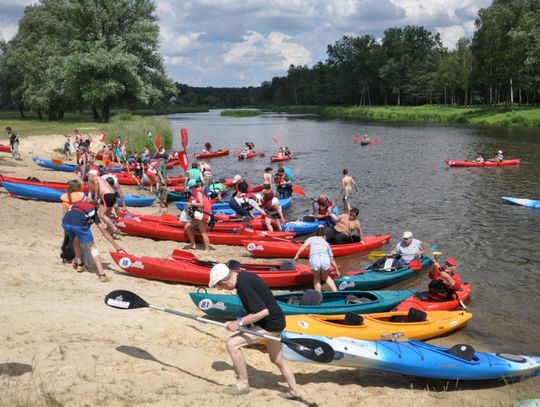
{"points": [[416, 358], [275, 158], [422, 302], [530, 203], [458, 163], [5, 149], [212, 154], [42, 162], [61, 186]]}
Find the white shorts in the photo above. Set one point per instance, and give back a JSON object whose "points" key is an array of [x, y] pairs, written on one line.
{"points": [[319, 262]]}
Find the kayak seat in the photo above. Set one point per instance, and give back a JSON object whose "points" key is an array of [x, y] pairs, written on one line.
{"points": [[353, 319], [287, 265], [294, 300], [309, 219], [462, 351], [353, 299], [415, 315], [311, 297]]}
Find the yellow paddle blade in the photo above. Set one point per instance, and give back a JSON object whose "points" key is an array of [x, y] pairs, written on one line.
{"points": [[376, 254]]}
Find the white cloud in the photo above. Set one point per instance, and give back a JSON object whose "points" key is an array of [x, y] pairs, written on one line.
{"points": [[8, 31], [451, 35], [173, 43]]}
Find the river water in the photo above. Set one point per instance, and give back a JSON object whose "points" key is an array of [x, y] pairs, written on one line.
{"points": [[405, 185]]}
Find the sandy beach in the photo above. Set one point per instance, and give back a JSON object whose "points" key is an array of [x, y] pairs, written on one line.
{"points": [[63, 347]]}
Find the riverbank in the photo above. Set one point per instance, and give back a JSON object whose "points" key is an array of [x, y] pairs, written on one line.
{"points": [[242, 112], [485, 116]]}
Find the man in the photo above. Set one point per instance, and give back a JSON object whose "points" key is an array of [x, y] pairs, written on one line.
{"points": [[263, 316], [347, 185], [408, 248], [13, 143], [244, 202], [342, 231], [105, 194], [322, 208], [445, 281], [161, 186]]}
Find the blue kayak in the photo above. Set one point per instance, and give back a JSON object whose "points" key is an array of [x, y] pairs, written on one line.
{"points": [[45, 163], [416, 358], [531, 203], [333, 303], [375, 277], [53, 195], [223, 208]]}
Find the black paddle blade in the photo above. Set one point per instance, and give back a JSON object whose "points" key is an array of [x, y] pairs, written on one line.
{"points": [[123, 299], [311, 349]]}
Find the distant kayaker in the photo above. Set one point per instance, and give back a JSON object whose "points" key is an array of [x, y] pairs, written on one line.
{"points": [[480, 158], [208, 146], [346, 224], [320, 259], [366, 139], [445, 281], [263, 315], [499, 157], [347, 185], [408, 248], [322, 208]]}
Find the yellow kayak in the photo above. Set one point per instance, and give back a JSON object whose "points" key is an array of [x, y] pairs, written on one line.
{"points": [[413, 324]]}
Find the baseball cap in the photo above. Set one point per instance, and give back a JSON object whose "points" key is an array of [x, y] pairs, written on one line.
{"points": [[451, 261], [407, 234], [219, 272], [499, 152], [236, 179], [191, 183]]}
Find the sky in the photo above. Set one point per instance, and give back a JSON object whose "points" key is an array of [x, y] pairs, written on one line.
{"points": [[235, 43]]}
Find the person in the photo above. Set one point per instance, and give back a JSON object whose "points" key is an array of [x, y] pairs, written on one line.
{"points": [[113, 182], [342, 231], [206, 172], [347, 185], [151, 173], [272, 207], [82, 158], [244, 202], [76, 223], [139, 170], [408, 248], [145, 155], [320, 259], [107, 156], [263, 315], [67, 150], [104, 192], [445, 281], [73, 194], [208, 146], [322, 208], [214, 190], [480, 158], [500, 157], [161, 186], [13, 144], [366, 139], [244, 152], [199, 209], [283, 184], [281, 152], [287, 170], [194, 173], [267, 178], [77, 139]]}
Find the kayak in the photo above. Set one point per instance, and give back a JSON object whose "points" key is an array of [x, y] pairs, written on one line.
{"points": [[223, 208], [457, 163], [198, 271], [5, 149], [374, 278], [153, 230], [416, 358], [61, 186], [380, 325], [125, 178], [531, 203], [53, 195], [422, 302], [42, 162], [230, 306], [212, 154], [289, 249], [251, 154], [365, 143], [276, 158]]}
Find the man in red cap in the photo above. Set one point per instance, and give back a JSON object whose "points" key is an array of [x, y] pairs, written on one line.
{"points": [[445, 281]]}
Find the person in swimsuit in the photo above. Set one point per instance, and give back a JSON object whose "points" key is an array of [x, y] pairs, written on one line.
{"points": [[102, 191], [267, 178], [346, 224], [347, 185]]}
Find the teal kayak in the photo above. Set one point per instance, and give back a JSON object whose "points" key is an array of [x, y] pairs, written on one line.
{"points": [[333, 303]]}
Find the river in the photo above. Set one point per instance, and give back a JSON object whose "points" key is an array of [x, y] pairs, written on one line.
{"points": [[405, 185]]}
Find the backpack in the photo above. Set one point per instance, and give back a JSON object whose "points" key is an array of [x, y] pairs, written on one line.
{"points": [[67, 253]]}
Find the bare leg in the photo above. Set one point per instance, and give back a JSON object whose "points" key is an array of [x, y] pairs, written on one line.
{"points": [[317, 281], [189, 234], [276, 357], [268, 223], [234, 345], [77, 250], [326, 278], [104, 214], [206, 241]]}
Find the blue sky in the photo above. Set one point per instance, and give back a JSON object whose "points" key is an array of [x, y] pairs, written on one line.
{"points": [[243, 43]]}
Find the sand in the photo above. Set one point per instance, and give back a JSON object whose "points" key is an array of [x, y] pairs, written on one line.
{"points": [[62, 346]]}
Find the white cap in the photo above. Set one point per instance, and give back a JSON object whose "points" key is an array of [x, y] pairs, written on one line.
{"points": [[236, 179], [407, 234], [218, 273], [499, 152], [259, 197]]}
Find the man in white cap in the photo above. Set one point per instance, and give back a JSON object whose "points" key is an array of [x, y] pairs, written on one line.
{"points": [[500, 156], [408, 248], [263, 315]]}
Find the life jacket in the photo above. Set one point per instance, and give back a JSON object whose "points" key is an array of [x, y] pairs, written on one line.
{"points": [[279, 179], [323, 207], [87, 209], [267, 205], [243, 200], [437, 288], [151, 171], [207, 204]]}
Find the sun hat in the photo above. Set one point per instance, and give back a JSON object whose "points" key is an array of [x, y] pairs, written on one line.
{"points": [[218, 273], [407, 234], [191, 183], [236, 179], [451, 261], [268, 169]]}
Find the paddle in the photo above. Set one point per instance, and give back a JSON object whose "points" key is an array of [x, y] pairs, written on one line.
{"points": [[459, 299], [275, 140], [183, 160], [184, 137], [375, 254], [312, 349], [298, 190], [56, 161], [182, 254]]}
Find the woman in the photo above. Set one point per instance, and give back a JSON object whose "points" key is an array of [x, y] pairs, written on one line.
{"points": [[346, 224], [320, 258], [272, 208], [73, 194], [199, 209]]}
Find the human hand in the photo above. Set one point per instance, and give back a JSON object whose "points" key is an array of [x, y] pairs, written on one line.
{"points": [[232, 326]]}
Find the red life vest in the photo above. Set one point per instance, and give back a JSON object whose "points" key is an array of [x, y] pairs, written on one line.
{"points": [[207, 205], [87, 209], [323, 207], [279, 178], [267, 205]]}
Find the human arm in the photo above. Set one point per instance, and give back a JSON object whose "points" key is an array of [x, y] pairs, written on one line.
{"points": [[358, 228], [248, 319], [300, 250], [108, 236], [122, 197]]}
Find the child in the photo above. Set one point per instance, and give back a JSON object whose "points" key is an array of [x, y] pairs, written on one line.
{"points": [[67, 150]]}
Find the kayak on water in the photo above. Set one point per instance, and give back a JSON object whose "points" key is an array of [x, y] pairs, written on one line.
{"points": [[416, 358], [422, 302], [277, 158], [211, 154], [250, 155], [531, 203], [414, 324], [457, 163], [296, 303]]}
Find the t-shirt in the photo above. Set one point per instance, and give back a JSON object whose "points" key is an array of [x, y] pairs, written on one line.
{"points": [[81, 214], [288, 174], [407, 252], [194, 173], [255, 297], [318, 245], [75, 197]]}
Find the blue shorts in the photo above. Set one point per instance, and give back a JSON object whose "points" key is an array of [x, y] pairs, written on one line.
{"points": [[83, 233]]}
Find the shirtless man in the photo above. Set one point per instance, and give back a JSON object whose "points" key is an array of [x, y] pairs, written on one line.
{"points": [[106, 195], [107, 156], [347, 185], [346, 224]]}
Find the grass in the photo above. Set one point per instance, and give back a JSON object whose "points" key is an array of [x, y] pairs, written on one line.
{"points": [[125, 125], [242, 112], [487, 116]]}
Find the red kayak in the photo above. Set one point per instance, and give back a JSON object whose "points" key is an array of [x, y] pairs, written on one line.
{"points": [[456, 163], [212, 154], [59, 186], [125, 178], [422, 302], [273, 248], [276, 158], [5, 149], [251, 154], [164, 232], [182, 270]]}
